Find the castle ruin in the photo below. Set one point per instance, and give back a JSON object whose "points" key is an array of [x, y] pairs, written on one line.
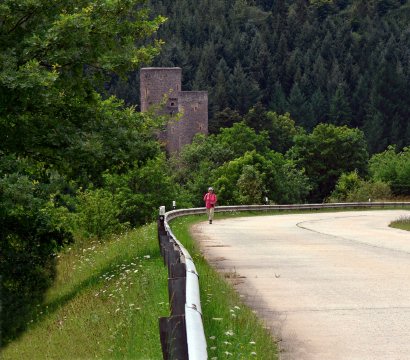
{"points": [[155, 83]]}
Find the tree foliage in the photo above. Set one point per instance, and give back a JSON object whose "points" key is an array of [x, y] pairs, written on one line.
{"points": [[393, 168], [328, 152], [59, 131], [320, 61]]}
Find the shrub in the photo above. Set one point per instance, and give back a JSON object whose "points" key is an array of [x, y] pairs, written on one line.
{"points": [[97, 213], [350, 187]]}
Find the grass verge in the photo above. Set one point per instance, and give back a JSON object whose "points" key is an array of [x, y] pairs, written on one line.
{"points": [[105, 303], [402, 223], [233, 331]]}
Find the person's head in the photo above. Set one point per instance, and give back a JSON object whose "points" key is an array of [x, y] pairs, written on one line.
{"points": [[210, 189]]}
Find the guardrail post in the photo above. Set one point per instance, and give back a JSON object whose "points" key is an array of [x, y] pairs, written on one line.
{"points": [[173, 338], [161, 227], [177, 295]]}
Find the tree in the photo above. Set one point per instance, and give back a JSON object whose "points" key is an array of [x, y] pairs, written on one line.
{"points": [[241, 138], [250, 186], [278, 102], [219, 94], [339, 112], [272, 175], [256, 118], [393, 168], [244, 90], [297, 104], [224, 119], [282, 132], [32, 232], [319, 108], [54, 56], [328, 152]]}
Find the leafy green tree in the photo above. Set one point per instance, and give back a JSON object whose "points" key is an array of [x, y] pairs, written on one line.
{"points": [[250, 186], [328, 152], [282, 132], [280, 181], [345, 185], [97, 214], [393, 168], [53, 56], [33, 230], [138, 193], [54, 60], [241, 138]]}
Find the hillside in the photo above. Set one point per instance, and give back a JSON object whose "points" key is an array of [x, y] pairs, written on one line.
{"points": [[344, 62]]}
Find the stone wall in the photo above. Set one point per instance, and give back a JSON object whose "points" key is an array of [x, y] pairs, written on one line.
{"points": [[157, 82], [192, 105]]}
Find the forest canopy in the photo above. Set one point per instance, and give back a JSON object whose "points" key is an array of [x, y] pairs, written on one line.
{"points": [[343, 62]]}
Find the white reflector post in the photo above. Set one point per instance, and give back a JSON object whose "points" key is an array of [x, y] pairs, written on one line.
{"points": [[162, 210]]}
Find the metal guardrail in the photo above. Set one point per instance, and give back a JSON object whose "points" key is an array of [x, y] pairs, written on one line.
{"points": [[182, 334]]}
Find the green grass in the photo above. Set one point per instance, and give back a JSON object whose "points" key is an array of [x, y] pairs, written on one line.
{"points": [[402, 223], [105, 303], [233, 331]]}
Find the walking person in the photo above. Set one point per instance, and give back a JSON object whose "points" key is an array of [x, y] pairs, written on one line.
{"points": [[210, 201]]}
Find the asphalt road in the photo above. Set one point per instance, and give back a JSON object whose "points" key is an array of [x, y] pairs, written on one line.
{"points": [[329, 285]]}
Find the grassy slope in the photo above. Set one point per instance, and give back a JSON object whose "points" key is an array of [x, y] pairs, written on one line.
{"points": [[105, 303], [108, 297]]}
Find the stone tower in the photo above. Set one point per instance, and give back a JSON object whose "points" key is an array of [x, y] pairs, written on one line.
{"points": [[157, 82], [192, 105]]}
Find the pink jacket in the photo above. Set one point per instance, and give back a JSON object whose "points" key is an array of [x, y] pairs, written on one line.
{"points": [[210, 200]]}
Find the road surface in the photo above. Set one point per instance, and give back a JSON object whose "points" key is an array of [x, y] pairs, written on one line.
{"points": [[329, 285]]}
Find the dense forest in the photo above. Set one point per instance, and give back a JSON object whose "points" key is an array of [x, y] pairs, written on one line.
{"points": [[343, 62], [308, 102]]}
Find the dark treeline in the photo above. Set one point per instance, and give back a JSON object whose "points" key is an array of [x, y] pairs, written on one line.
{"points": [[344, 62]]}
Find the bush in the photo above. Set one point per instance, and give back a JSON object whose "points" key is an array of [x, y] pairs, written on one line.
{"points": [[351, 188], [140, 192], [98, 214]]}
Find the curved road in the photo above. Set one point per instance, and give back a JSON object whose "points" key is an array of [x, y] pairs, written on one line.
{"points": [[329, 285]]}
